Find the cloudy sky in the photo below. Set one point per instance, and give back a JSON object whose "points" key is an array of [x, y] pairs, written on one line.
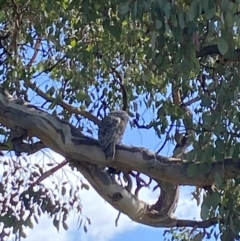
{"points": [[103, 217]]}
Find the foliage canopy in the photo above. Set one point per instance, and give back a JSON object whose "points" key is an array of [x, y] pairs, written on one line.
{"points": [[79, 59]]}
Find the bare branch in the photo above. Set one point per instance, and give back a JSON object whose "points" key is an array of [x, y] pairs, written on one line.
{"points": [[36, 50], [49, 173], [192, 101], [63, 104]]}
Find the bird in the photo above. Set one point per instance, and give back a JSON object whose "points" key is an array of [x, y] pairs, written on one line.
{"points": [[111, 131]]}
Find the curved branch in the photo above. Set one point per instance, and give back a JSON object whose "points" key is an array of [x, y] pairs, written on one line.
{"points": [[198, 224], [85, 154], [168, 200], [127, 203]]}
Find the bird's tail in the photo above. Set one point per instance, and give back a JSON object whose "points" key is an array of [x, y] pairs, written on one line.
{"points": [[110, 151]]}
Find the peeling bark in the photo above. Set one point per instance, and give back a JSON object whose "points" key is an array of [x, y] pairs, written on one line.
{"points": [[84, 153]]}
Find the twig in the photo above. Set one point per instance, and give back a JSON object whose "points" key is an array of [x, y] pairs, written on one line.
{"points": [[50, 68], [36, 50], [148, 126], [166, 139], [190, 102], [63, 104], [49, 173], [123, 89], [116, 221]]}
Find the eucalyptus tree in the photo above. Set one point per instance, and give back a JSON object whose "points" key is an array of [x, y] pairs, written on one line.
{"points": [[66, 64]]}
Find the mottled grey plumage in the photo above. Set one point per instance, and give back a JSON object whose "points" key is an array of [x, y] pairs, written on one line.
{"points": [[111, 131]]}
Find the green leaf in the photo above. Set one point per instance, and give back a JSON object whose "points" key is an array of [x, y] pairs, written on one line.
{"points": [[146, 75], [21, 233], [211, 12], [174, 20], [167, 9], [65, 226], [198, 237], [161, 3], [219, 143], [124, 23], [29, 223], [115, 31], [222, 45], [56, 223], [237, 20], [206, 102], [204, 167], [215, 199], [181, 20], [158, 24], [204, 212], [124, 9], [229, 19], [153, 40], [192, 170], [193, 11], [225, 4], [218, 180], [158, 59], [205, 6], [135, 9]]}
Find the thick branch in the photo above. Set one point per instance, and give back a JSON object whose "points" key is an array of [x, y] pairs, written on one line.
{"points": [[208, 50], [68, 141], [213, 49], [121, 199], [85, 154], [127, 203], [24, 147]]}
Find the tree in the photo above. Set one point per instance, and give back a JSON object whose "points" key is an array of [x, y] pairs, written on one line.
{"points": [[80, 59]]}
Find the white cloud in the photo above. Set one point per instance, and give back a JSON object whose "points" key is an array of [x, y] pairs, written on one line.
{"points": [[103, 218], [187, 208], [44, 231]]}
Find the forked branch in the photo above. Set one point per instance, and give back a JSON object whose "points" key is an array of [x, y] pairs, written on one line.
{"points": [[85, 154]]}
